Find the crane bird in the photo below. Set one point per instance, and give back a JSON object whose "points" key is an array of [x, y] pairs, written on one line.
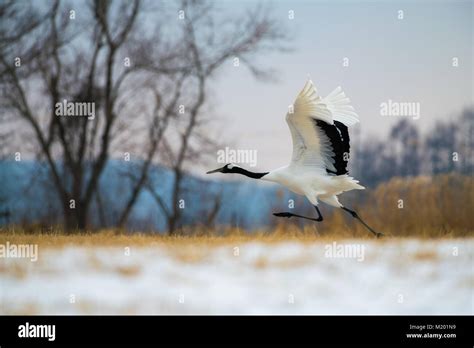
{"points": [[318, 168]]}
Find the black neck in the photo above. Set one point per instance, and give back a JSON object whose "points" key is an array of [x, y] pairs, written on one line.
{"points": [[252, 175]]}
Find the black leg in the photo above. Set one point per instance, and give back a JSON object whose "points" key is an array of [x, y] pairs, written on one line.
{"points": [[320, 217], [288, 215], [356, 216]]}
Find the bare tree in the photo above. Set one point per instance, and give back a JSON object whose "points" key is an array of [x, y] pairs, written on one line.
{"points": [[135, 74], [16, 22], [60, 67], [405, 145], [205, 50]]}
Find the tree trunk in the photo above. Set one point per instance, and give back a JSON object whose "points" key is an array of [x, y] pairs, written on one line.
{"points": [[171, 226], [75, 218]]}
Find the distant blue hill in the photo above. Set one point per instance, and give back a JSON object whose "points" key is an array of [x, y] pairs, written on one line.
{"points": [[30, 197]]}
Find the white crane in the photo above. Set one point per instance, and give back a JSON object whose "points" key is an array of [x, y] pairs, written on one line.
{"points": [[318, 168]]}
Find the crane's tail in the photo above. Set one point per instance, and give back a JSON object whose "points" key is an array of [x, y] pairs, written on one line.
{"points": [[346, 183]]}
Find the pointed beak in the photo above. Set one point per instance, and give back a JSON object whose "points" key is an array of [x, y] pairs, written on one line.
{"points": [[215, 171]]}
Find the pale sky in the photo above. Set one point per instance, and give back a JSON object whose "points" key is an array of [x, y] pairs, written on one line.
{"points": [[408, 60]]}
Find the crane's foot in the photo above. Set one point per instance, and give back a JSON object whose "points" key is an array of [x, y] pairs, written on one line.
{"points": [[287, 215]]}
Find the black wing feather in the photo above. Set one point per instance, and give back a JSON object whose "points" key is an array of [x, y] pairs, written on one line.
{"points": [[339, 137]]}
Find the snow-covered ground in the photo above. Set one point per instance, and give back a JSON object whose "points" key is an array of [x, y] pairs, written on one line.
{"points": [[390, 277]]}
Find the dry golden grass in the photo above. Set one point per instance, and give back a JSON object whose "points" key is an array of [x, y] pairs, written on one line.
{"points": [[425, 255], [118, 238], [432, 206], [180, 246]]}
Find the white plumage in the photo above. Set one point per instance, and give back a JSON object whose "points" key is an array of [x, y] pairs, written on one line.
{"points": [[313, 151]]}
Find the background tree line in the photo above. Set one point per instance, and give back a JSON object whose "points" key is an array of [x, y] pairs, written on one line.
{"points": [[446, 147]]}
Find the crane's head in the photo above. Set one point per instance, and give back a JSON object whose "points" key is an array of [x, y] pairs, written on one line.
{"points": [[228, 168]]}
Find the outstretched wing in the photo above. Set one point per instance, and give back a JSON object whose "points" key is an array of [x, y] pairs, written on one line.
{"points": [[318, 128]]}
